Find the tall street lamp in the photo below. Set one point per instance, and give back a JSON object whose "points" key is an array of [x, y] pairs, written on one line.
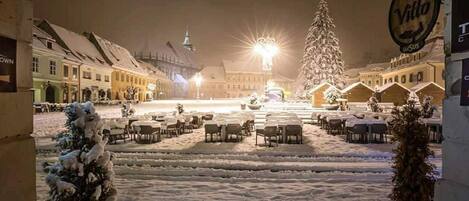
{"points": [[267, 48], [198, 82]]}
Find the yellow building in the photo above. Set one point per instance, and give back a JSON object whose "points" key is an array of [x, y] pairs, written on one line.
{"points": [[129, 79], [158, 85], [372, 76], [236, 80]]}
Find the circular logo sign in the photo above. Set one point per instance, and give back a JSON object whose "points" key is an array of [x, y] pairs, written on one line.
{"points": [[411, 21]]}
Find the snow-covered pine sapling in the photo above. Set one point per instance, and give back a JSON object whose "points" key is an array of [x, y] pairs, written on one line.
{"points": [[84, 170], [414, 176], [127, 110], [322, 58], [253, 100], [373, 105], [331, 95], [180, 108], [427, 108]]}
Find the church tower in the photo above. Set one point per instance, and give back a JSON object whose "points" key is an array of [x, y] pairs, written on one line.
{"points": [[187, 43]]}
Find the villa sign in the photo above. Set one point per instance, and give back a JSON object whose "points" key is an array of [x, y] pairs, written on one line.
{"points": [[411, 21], [7, 65], [460, 26]]}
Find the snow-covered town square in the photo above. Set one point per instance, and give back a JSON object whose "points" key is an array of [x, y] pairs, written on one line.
{"points": [[207, 100], [185, 167]]}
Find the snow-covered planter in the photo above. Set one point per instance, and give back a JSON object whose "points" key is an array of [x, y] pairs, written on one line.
{"points": [[127, 110], [84, 170], [180, 108], [373, 105], [330, 96], [254, 102]]}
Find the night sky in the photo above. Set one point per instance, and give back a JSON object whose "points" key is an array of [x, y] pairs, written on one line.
{"points": [[222, 29]]}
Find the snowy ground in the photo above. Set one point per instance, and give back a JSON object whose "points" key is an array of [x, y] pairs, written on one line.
{"points": [[325, 167]]}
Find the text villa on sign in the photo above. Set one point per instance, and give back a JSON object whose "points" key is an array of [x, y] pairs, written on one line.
{"points": [[411, 21], [460, 26]]}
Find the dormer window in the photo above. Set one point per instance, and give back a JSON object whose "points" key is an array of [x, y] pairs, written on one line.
{"points": [[49, 44]]}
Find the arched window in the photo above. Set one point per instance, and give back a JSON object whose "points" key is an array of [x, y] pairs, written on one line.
{"points": [[396, 78], [420, 76], [403, 79]]}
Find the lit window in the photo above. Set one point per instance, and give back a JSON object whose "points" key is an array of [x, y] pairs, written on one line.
{"points": [[52, 67], [75, 73]]}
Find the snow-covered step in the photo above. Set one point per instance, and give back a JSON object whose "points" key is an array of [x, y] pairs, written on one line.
{"points": [[280, 176], [246, 157], [375, 167]]}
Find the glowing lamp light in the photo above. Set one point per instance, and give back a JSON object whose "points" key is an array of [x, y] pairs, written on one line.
{"points": [[267, 48]]}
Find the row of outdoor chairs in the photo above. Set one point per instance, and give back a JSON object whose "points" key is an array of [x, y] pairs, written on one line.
{"points": [[367, 133], [233, 131], [276, 134]]}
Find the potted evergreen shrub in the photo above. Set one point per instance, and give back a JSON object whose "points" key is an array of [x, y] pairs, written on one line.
{"points": [[254, 103], [414, 175], [373, 105], [330, 96]]}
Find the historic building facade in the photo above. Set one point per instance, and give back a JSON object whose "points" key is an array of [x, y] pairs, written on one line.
{"points": [[55, 74], [128, 79], [94, 71], [236, 80], [177, 61]]}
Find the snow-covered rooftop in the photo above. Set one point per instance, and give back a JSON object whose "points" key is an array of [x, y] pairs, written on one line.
{"points": [[348, 88], [78, 44], [116, 55], [186, 56], [388, 85], [423, 85], [40, 40], [152, 70], [321, 85]]}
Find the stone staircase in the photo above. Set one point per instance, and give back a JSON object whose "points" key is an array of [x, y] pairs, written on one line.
{"points": [[302, 110]]}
